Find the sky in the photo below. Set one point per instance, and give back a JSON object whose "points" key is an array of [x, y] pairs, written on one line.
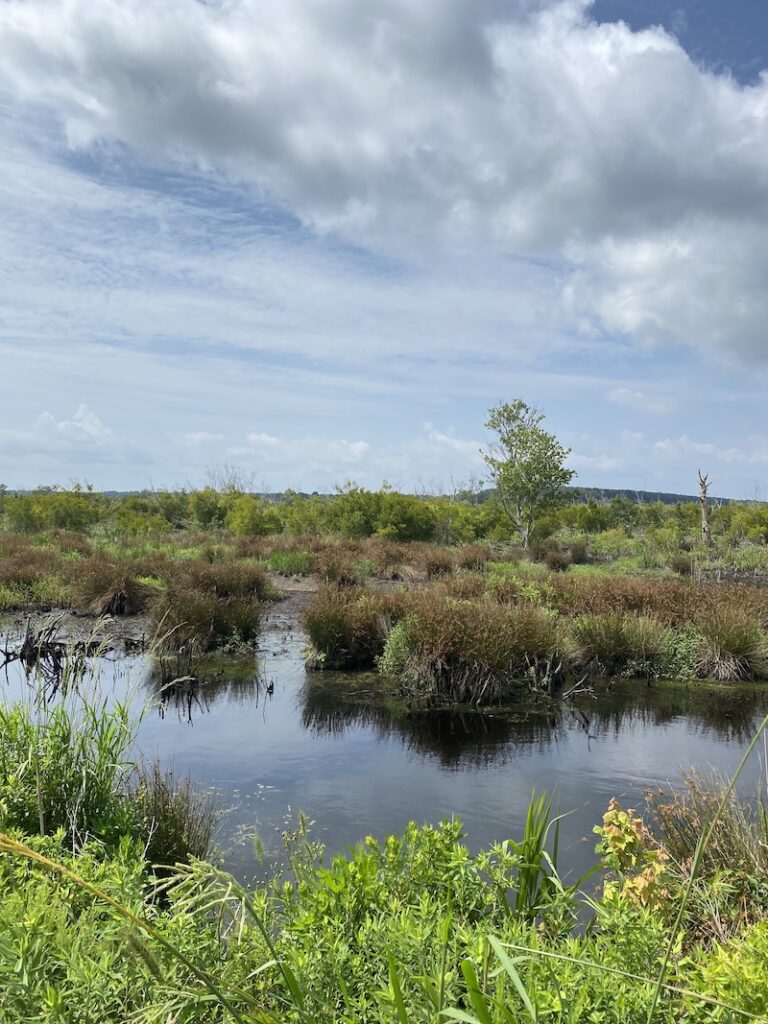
{"points": [[317, 240]]}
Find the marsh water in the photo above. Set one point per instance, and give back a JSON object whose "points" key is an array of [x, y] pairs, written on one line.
{"points": [[274, 740]]}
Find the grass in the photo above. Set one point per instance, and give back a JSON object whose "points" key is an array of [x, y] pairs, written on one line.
{"points": [[733, 647], [476, 637], [176, 822], [348, 627], [739, 833], [609, 644], [470, 652], [290, 563]]}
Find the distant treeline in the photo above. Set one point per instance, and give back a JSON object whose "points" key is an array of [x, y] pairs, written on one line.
{"points": [[355, 512]]}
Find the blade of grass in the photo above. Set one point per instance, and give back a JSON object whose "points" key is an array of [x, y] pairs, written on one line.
{"points": [[515, 978], [476, 996]]}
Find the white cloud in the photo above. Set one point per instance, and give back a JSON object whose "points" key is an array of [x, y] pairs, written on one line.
{"points": [[639, 400], [602, 462], [683, 447], [66, 446], [461, 123], [467, 449], [84, 432]]}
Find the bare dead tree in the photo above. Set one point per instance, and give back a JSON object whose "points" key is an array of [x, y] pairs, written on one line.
{"points": [[706, 538]]}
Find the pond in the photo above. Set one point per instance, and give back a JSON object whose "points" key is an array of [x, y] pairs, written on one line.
{"points": [[274, 740]]}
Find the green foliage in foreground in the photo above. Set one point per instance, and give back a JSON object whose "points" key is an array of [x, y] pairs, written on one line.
{"points": [[411, 929]]}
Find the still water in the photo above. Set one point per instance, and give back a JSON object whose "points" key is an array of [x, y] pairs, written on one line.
{"points": [[274, 740]]}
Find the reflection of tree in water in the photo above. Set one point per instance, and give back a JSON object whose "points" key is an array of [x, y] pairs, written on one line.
{"points": [[470, 738]]}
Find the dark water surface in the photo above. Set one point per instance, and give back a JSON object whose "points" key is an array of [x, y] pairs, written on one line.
{"points": [[354, 768]]}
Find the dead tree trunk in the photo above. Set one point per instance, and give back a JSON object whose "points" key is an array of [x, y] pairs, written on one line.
{"points": [[706, 538]]}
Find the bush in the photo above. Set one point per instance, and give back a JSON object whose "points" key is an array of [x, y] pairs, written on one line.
{"points": [[557, 560]]}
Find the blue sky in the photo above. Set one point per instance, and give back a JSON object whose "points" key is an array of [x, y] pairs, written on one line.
{"points": [[318, 240]]}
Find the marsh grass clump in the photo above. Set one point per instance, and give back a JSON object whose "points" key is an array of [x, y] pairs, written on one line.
{"points": [[733, 646], [337, 567], [348, 627], [471, 652], [182, 617], [437, 562], [611, 644], [209, 605], [235, 578], [558, 559], [175, 821], [103, 586], [681, 562], [32, 577]]}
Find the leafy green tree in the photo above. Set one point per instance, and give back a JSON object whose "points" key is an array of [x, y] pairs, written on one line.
{"points": [[250, 516], [527, 465]]}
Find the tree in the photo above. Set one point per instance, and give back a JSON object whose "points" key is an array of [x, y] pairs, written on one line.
{"points": [[527, 464]]}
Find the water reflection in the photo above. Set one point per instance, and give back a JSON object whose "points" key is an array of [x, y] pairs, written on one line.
{"points": [[466, 737], [192, 690]]}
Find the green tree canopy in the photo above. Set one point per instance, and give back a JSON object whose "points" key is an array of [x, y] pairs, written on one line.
{"points": [[527, 464]]}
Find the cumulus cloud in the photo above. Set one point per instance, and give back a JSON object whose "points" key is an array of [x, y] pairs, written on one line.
{"points": [[514, 125], [83, 432], [72, 443], [467, 449]]}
